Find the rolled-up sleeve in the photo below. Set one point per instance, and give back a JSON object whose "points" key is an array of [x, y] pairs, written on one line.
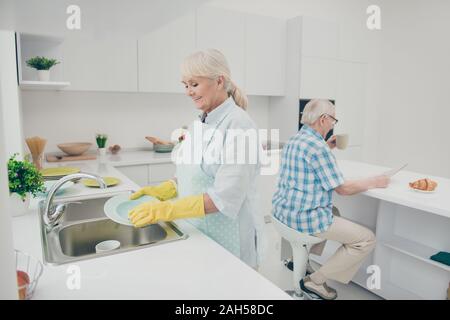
{"points": [[230, 188], [326, 169]]}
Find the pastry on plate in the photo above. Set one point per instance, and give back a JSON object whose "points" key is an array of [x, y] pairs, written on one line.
{"points": [[424, 184]]}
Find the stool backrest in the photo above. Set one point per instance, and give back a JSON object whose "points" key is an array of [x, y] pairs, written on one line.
{"points": [[293, 235]]}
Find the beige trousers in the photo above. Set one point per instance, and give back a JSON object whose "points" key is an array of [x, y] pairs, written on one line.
{"points": [[357, 242]]}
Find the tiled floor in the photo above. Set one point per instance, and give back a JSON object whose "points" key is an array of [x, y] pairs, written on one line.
{"points": [[274, 270]]}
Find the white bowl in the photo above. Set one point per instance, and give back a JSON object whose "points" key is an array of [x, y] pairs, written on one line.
{"points": [[106, 246]]}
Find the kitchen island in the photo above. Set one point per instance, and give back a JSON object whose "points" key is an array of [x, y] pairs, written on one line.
{"points": [[195, 268], [410, 227]]}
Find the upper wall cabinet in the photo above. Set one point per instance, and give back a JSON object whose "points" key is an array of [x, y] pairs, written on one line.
{"points": [[100, 64], [224, 30], [318, 78], [265, 55], [319, 38], [161, 53], [351, 100], [354, 42]]}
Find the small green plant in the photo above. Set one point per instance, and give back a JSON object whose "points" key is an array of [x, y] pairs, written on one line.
{"points": [[101, 140], [24, 178], [41, 63]]}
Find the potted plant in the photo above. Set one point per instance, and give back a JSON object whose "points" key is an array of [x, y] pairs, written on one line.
{"points": [[42, 65], [101, 143], [24, 180]]}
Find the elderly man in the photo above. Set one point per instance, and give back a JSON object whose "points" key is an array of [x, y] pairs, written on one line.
{"points": [[308, 175]]}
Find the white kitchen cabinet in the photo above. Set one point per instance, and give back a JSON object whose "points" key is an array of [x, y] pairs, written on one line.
{"points": [[319, 38], [161, 53], [224, 30], [138, 174], [354, 42], [265, 55], [318, 78], [351, 101], [160, 172], [100, 64], [267, 183]]}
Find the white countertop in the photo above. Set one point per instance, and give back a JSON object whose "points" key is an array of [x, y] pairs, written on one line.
{"points": [[132, 157], [128, 157], [195, 268], [399, 191], [79, 191]]}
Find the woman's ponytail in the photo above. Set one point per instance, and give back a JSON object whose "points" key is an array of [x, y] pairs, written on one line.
{"points": [[238, 96]]}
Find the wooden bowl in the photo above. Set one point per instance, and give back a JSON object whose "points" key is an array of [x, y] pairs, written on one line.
{"points": [[74, 148]]}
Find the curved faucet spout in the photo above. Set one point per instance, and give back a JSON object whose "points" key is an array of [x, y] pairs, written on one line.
{"points": [[53, 214]]}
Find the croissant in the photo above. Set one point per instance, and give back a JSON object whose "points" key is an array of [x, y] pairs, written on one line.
{"points": [[424, 184]]}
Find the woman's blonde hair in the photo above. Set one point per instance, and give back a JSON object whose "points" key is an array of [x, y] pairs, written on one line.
{"points": [[211, 63]]}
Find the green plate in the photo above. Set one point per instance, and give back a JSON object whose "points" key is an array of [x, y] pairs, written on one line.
{"points": [[117, 207], [110, 181], [59, 171]]}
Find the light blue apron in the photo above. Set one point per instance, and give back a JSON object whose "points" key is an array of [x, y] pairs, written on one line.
{"points": [[192, 180]]}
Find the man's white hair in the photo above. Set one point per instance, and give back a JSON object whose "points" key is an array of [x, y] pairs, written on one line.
{"points": [[314, 109]]}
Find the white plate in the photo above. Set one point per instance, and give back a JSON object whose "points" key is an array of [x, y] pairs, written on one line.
{"points": [[117, 208], [423, 191]]}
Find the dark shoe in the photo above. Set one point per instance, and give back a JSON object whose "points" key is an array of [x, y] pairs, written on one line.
{"points": [[290, 265], [318, 291]]}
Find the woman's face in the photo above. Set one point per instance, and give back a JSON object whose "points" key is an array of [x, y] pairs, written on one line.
{"points": [[206, 93]]}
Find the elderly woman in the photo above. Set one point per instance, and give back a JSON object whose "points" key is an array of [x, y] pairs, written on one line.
{"points": [[303, 201], [218, 193]]}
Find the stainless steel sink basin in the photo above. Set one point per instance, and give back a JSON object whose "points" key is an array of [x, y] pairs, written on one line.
{"points": [[80, 239], [85, 225]]}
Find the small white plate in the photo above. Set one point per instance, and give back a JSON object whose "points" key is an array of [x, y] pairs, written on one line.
{"points": [[117, 208], [422, 191], [106, 246]]}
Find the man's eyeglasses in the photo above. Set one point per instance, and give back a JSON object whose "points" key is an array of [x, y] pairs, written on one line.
{"points": [[334, 119]]}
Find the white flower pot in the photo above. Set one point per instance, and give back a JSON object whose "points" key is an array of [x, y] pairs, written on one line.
{"points": [[102, 151], [102, 155], [44, 75], [17, 206]]}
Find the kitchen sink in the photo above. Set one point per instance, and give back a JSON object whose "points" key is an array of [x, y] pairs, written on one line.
{"points": [[84, 225]]}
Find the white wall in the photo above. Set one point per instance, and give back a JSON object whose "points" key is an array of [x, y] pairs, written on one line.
{"points": [[126, 117]]}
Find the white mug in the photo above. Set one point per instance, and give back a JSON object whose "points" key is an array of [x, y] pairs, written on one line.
{"points": [[342, 141]]}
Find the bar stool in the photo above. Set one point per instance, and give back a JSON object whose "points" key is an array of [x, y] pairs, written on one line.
{"points": [[301, 244]]}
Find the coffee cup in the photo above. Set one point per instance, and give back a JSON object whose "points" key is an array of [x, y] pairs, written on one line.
{"points": [[342, 141]]}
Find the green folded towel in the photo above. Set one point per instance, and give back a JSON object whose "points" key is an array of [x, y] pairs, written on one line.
{"points": [[442, 257]]}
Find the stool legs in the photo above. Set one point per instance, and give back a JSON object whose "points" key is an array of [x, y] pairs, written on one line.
{"points": [[300, 257]]}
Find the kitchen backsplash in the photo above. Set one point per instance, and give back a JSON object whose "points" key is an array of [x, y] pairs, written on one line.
{"points": [[68, 116]]}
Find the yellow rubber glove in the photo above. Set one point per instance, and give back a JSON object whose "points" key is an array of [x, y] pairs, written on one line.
{"points": [[154, 211], [164, 191]]}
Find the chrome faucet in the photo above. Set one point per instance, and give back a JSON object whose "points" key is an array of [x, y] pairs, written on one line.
{"points": [[52, 213]]}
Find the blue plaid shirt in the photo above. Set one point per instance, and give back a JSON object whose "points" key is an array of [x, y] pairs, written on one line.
{"points": [[308, 175]]}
